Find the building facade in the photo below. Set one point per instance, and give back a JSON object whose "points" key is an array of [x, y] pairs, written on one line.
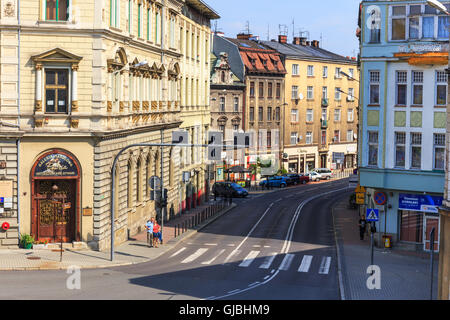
{"points": [[80, 83], [320, 119], [404, 54]]}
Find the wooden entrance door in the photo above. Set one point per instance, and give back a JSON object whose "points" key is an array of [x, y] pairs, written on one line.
{"points": [[55, 211]]}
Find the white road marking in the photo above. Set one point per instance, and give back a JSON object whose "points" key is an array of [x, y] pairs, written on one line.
{"points": [[195, 255], [325, 265], [231, 245], [256, 246], [210, 244], [266, 277], [306, 263], [286, 262], [233, 291], [253, 284], [214, 258], [178, 252], [249, 259], [268, 261], [233, 253]]}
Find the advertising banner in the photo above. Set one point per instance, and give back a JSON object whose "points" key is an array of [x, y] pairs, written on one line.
{"points": [[418, 202]]}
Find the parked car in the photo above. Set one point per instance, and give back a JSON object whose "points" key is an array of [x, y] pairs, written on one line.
{"points": [[304, 178], [225, 188], [292, 178], [324, 173], [314, 176], [277, 181]]}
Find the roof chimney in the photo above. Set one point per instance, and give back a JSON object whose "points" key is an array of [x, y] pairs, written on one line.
{"points": [[296, 41], [303, 41], [315, 43], [282, 39], [244, 36], [308, 43]]}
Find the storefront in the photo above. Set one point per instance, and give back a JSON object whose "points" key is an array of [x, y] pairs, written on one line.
{"points": [[418, 215], [310, 162]]}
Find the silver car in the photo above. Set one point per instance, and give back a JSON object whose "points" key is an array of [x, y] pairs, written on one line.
{"points": [[314, 176], [324, 173]]}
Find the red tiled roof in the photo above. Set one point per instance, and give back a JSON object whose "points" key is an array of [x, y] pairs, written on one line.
{"points": [[258, 58]]}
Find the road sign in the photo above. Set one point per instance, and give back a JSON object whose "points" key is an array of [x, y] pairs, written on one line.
{"points": [[360, 198], [360, 189], [380, 198], [372, 215], [155, 183]]}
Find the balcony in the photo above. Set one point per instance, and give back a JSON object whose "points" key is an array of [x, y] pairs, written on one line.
{"points": [[324, 102], [323, 124]]}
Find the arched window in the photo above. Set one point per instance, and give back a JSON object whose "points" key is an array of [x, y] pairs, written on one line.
{"points": [[171, 167], [130, 170], [139, 181], [116, 191], [222, 77]]}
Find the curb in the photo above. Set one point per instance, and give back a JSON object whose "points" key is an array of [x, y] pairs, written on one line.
{"points": [[338, 258], [170, 244]]}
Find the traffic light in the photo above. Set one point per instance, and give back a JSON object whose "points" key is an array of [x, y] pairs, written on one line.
{"points": [[214, 145]]}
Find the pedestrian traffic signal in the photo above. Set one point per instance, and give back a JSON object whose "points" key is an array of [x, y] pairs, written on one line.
{"points": [[214, 145]]}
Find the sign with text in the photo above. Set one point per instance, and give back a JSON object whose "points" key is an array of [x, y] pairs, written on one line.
{"points": [[419, 202]]}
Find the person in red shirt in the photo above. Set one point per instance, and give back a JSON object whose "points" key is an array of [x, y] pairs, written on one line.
{"points": [[156, 234]]}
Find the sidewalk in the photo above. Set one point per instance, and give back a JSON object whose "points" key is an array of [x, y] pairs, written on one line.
{"points": [[131, 252], [405, 275]]}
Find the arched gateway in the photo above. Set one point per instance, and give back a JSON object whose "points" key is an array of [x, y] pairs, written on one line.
{"points": [[55, 192]]}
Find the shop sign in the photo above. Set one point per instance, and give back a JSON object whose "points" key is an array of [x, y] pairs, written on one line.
{"points": [[418, 202], [56, 165]]}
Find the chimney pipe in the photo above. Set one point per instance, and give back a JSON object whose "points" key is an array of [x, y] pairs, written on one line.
{"points": [[244, 36], [303, 41], [296, 41], [282, 39], [315, 43], [308, 43]]}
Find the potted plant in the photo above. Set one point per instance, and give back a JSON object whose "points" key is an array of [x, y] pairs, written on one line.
{"points": [[40, 244], [27, 241]]}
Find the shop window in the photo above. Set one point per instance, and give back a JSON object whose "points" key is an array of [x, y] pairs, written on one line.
{"points": [[411, 226], [56, 90]]}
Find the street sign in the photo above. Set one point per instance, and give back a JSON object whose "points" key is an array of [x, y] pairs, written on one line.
{"points": [[380, 198], [180, 137], [360, 189], [155, 183], [360, 198], [372, 215]]}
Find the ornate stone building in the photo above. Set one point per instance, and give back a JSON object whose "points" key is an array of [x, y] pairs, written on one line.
{"points": [[82, 79]]}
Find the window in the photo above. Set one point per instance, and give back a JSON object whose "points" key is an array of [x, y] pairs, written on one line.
{"points": [[236, 104], [374, 78], [158, 29], [401, 81], [269, 113], [416, 150], [140, 20], [149, 22], [222, 104], [337, 136], [261, 90], [278, 93], [172, 31], [337, 115], [439, 151], [337, 73], [350, 135], [235, 127], [414, 26], [427, 27], [441, 88], [309, 115], [310, 93], [324, 114], [252, 89], [269, 90], [411, 226], [294, 115], [400, 140], [373, 148], [260, 114], [56, 90], [57, 10], [351, 94], [277, 114], [351, 73], [417, 87], [295, 69], [309, 137], [269, 139], [324, 92], [398, 23], [443, 27], [294, 92], [310, 71], [350, 115], [325, 72], [324, 137], [130, 16], [337, 94], [294, 138]]}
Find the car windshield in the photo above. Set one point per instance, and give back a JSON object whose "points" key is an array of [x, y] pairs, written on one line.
{"points": [[235, 185]]}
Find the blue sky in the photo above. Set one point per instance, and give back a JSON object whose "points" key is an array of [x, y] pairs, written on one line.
{"points": [[335, 20]]}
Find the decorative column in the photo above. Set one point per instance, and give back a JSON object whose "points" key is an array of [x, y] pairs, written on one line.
{"points": [[74, 87], [38, 90]]}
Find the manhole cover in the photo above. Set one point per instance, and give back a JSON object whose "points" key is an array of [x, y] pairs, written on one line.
{"points": [[57, 250], [33, 258]]}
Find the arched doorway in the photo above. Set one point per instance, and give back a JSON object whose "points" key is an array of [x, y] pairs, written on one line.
{"points": [[55, 192]]}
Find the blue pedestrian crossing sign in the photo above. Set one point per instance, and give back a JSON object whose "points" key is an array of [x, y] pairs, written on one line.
{"points": [[372, 215]]}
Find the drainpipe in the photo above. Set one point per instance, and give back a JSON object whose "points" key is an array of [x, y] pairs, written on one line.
{"points": [[18, 119]]}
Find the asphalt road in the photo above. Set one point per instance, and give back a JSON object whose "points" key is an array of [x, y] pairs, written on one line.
{"points": [[278, 246]]}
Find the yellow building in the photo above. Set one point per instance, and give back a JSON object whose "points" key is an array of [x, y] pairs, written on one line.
{"points": [[81, 80], [320, 128]]}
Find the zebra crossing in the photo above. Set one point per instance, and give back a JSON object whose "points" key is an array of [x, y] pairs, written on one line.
{"points": [[266, 260]]}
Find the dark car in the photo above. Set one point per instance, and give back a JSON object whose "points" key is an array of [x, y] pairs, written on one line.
{"points": [[223, 189], [292, 178], [304, 178]]}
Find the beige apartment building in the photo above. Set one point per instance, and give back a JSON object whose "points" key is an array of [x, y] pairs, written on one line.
{"points": [[81, 80], [320, 119]]}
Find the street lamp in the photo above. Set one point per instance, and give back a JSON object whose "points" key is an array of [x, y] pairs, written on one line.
{"points": [[438, 5], [348, 76]]}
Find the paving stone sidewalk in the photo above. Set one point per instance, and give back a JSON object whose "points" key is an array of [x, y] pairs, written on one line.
{"points": [[405, 275]]}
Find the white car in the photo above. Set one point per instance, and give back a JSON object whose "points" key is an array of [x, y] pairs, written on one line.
{"points": [[314, 176]]}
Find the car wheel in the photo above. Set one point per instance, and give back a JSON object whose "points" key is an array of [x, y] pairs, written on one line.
{"points": [[303, 182], [328, 177], [282, 185]]}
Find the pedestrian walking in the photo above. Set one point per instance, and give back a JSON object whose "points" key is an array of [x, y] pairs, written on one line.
{"points": [[362, 227], [149, 227], [156, 234]]}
